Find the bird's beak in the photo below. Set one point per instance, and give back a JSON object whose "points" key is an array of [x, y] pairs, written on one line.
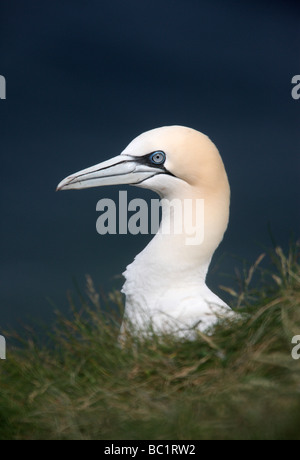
{"points": [[122, 169]]}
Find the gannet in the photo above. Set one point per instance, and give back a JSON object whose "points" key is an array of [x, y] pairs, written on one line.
{"points": [[165, 285]]}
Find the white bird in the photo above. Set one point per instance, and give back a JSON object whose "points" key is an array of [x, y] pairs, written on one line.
{"points": [[165, 285]]}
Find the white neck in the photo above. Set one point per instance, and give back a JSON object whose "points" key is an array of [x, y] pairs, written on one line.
{"points": [[168, 260]]}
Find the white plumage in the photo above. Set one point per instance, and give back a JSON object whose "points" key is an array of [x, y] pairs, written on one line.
{"points": [[165, 285]]}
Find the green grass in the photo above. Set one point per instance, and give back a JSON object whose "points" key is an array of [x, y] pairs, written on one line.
{"points": [[238, 383]]}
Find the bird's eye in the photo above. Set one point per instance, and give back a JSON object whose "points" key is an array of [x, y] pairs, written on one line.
{"points": [[157, 158]]}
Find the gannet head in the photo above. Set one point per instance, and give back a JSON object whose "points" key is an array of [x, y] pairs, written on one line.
{"points": [[166, 160]]}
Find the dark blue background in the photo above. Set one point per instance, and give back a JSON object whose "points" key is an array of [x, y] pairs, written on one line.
{"points": [[84, 78]]}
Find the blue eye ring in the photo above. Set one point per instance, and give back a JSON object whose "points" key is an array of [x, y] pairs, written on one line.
{"points": [[157, 158]]}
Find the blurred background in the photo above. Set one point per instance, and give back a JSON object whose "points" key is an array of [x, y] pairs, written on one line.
{"points": [[85, 78]]}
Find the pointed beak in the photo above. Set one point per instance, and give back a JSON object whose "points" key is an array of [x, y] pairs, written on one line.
{"points": [[122, 169]]}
